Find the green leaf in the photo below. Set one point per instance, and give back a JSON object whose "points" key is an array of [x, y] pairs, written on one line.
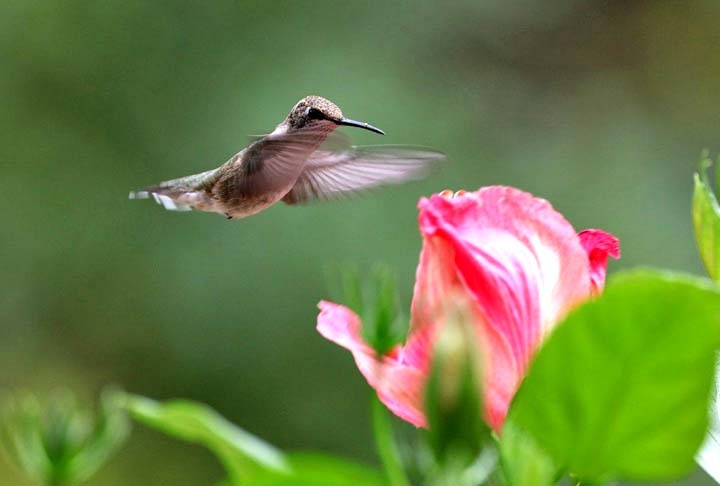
{"points": [[706, 220], [522, 460], [247, 459], [241, 453], [621, 388]]}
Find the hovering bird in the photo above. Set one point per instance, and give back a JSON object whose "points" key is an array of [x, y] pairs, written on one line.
{"points": [[300, 161]]}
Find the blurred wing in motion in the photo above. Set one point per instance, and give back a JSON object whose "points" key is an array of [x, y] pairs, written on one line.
{"points": [[333, 175], [269, 164]]}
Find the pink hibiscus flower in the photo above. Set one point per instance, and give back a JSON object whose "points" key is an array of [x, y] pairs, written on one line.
{"points": [[518, 263]]}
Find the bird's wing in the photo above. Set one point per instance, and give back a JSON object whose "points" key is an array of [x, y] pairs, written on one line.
{"points": [[270, 163], [336, 174]]}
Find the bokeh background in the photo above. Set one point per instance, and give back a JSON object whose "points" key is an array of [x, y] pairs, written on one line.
{"points": [[602, 107]]}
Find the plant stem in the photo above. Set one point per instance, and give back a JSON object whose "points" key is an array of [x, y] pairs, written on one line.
{"points": [[385, 444]]}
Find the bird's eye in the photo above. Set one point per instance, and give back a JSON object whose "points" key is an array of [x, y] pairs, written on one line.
{"points": [[315, 114]]}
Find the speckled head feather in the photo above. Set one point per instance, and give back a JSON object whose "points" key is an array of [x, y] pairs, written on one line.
{"points": [[300, 114]]}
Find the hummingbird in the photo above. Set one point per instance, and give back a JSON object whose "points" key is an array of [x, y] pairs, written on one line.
{"points": [[302, 160]]}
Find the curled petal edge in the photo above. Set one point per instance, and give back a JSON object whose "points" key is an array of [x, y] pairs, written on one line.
{"points": [[599, 245], [398, 385]]}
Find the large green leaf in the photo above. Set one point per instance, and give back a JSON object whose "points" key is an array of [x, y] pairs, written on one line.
{"points": [[706, 220], [241, 453], [621, 388]]}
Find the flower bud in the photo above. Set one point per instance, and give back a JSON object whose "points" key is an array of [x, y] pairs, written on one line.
{"points": [[453, 392], [706, 220]]}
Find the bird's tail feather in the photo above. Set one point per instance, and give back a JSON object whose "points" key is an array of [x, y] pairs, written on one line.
{"points": [[170, 193], [163, 199], [141, 194]]}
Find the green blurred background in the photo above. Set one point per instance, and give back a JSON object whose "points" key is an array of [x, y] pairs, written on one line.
{"points": [[600, 107]]}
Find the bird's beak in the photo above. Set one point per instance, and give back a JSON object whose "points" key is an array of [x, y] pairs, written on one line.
{"points": [[352, 123]]}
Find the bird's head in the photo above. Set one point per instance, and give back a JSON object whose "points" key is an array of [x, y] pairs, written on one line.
{"points": [[315, 112]]}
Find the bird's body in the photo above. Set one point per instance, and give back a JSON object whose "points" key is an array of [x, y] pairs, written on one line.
{"points": [[295, 163]]}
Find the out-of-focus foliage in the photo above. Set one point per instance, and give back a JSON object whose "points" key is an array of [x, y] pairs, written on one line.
{"points": [[594, 105], [240, 452], [247, 459], [56, 442], [374, 299]]}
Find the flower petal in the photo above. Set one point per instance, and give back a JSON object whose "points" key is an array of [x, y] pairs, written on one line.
{"points": [[521, 263], [517, 264], [599, 245], [436, 282], [399, 386]]}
